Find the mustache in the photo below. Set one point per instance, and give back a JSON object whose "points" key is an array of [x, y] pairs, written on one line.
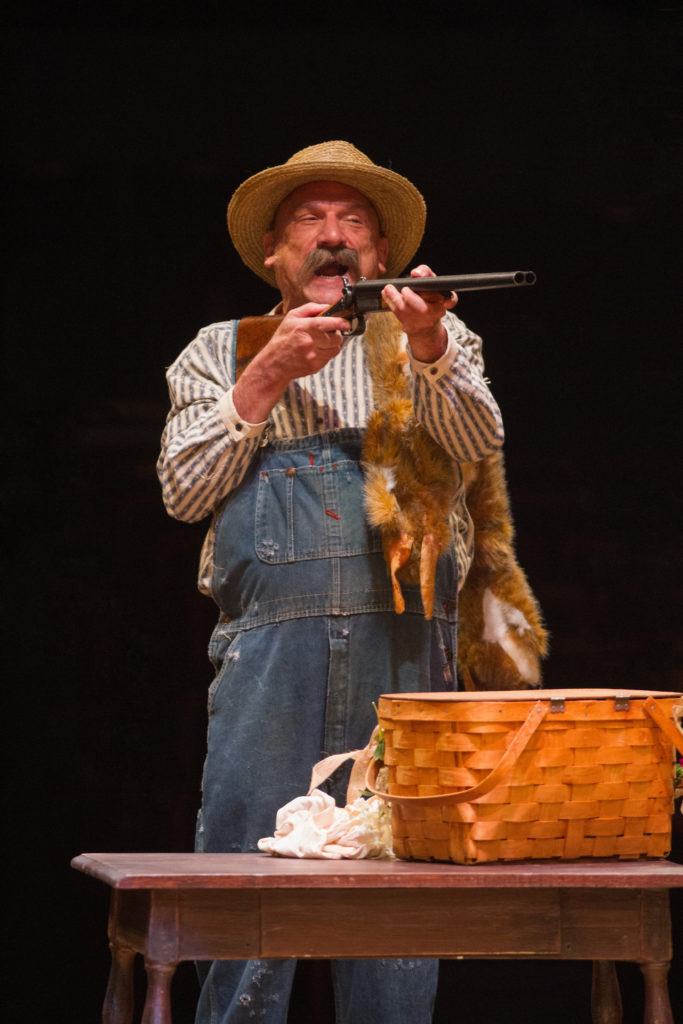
{"points": [[318, 258]]}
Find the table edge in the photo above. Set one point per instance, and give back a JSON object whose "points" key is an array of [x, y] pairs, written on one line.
{"points": [[266, 872]]}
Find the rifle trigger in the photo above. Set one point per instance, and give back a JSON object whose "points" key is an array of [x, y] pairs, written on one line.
{"points": [[356, 325]]}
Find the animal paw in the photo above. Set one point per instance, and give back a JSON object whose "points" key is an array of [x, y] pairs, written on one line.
{"points": [[397, 548], [429, 556]]}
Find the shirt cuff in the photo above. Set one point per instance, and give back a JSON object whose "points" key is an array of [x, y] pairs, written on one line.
{"points": [[237, 427], [443, 364]]}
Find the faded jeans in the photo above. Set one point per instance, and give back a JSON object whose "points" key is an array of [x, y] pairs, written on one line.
{"points": [[313, 640]]}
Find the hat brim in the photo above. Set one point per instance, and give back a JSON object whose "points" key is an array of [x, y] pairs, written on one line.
{"points": [[400, 207]]}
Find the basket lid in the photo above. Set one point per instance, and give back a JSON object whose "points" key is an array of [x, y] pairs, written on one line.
{"points": [[589, 693]]}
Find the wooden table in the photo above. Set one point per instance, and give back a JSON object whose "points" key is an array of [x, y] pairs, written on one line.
{"points": [[174, 907]]}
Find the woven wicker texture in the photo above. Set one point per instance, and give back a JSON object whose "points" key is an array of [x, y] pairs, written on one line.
{"points": [[590, 781]]}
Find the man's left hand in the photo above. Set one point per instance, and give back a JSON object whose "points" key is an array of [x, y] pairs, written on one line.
{"points": [[420, 315]]}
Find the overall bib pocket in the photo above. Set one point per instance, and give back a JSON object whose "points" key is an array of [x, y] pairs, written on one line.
{"points": [[312, 511]]}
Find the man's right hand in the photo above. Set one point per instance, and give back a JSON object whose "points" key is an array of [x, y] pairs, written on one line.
{"points": [[304, 342]]}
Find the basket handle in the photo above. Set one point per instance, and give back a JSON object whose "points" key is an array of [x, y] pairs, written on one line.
{"points": [[671, 731], [493, 779]]}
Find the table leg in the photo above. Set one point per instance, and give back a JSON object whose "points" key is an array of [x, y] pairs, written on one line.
{"points": [[605, 994], [158, 1001], [657, 1004], [118, 999]]}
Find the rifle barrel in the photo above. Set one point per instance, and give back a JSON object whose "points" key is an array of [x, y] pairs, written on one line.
{"points": [[452, 283], [365, 296]]}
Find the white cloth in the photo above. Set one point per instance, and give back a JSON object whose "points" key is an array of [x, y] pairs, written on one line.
{"points": [[313, 826]]}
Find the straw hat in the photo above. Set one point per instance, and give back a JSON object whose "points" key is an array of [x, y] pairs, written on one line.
{"points": [[400, 207]]}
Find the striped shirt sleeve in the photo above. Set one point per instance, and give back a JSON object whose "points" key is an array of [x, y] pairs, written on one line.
{"points": [[205, 448], [452, 398]]}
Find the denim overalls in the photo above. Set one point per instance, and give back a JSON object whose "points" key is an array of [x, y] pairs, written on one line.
{"points": [[307, 640]]}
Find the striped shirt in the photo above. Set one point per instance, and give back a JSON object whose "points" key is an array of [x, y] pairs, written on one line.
{"points": [[206, 448]]}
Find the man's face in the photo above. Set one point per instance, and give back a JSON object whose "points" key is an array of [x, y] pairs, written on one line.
{"points": [[323, 231]]}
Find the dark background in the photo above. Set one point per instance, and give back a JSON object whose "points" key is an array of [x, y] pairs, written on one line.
{"points": [[544, 136]]}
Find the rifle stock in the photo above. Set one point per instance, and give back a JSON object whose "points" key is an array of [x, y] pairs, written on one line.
{"points": [[253, 334]]}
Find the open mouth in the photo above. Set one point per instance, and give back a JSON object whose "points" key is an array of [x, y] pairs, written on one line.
{"points": [[332, 270]]}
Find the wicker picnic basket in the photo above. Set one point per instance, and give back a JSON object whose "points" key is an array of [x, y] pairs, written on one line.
{"points": [[515, 775]]}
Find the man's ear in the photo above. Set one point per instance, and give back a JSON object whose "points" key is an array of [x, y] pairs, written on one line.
{"points": [[269, 248], [382, 254]]}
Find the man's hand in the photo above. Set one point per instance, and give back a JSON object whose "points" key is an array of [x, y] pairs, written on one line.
{"points": [[303, 343], [420, 315]]}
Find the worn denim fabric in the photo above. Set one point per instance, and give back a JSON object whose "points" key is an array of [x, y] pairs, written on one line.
{"points": [[312, 641], [365, 991], [293, 540]]}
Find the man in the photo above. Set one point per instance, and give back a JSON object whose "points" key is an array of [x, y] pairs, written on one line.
{"points": [[308, 636]]}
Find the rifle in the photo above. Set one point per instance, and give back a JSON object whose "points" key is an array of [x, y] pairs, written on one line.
{"points": [[358, 300]]}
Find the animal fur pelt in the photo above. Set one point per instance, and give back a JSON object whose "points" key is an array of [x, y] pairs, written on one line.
{"points": [[412, 487], [411, 483], [501, 637]]}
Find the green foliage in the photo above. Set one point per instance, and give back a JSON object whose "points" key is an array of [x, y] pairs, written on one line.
{"points": [[379, 749]]}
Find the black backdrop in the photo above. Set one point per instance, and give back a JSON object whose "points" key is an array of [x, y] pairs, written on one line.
{"points": [[544, 136]]}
